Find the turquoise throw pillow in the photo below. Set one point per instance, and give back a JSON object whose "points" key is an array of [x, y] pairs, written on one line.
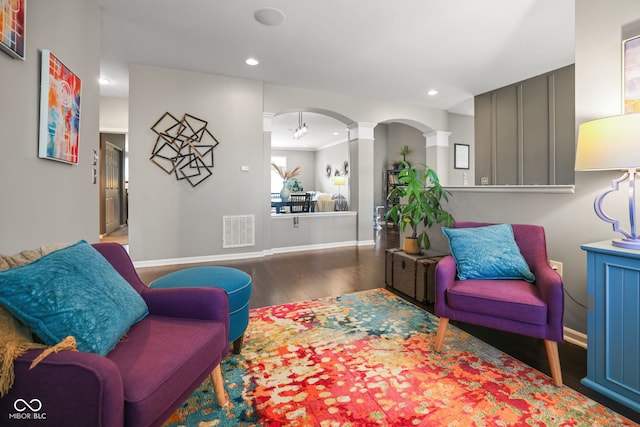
{"points": [[489, 252], [73, 291]]}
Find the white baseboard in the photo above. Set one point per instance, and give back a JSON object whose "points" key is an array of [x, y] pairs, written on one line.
{"points": [[244, 255], [574, 337]]}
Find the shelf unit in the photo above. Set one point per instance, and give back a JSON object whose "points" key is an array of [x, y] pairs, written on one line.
{"points": [[391, 181]]}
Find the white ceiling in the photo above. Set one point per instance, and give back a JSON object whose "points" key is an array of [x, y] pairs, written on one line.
{"points": [[380, 49]]}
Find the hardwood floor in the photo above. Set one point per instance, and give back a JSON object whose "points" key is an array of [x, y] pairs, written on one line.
{"points": [[300, 276]]}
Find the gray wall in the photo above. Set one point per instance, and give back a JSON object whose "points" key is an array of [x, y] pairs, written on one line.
{"points": [[462, 132], [398, 135], [169, 218], [43, 201], [569, 219], [334, 156]]}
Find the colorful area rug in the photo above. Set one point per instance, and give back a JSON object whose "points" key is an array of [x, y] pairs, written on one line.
{"points": [[367, 359]]}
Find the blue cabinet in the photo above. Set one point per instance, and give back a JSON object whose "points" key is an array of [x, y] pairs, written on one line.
{"points": [[613, 330]]}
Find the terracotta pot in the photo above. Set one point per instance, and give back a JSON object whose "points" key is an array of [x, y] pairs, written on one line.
{"points": [[411, 246]]}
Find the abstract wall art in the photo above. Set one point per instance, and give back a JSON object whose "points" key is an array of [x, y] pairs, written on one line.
{"points": [[184, 148], [631, 77], [12, 27], [59, 111]]}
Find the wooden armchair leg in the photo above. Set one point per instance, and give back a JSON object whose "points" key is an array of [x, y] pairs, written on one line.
{"points": [[554, 361], [218, 386], [442, 329]]}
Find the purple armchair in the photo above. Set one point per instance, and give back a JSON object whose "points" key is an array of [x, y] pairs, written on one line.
{"points": [[533, 309], [144, 379]]}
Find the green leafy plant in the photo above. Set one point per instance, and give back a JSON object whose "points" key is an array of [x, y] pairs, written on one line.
{"points": [[294, 185], [404, 151], [420, 202]]}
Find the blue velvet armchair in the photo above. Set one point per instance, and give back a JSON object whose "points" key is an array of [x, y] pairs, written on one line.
{"points": [[533, 309]]}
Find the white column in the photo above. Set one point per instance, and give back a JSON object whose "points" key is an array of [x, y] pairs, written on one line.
{"points": [[438, 154], [267, 128], [361, 178]]}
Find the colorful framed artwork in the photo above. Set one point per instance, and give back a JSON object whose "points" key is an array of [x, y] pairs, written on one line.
{"points": [[59, 111], [460, 156], [12, 27], [631, 74]]}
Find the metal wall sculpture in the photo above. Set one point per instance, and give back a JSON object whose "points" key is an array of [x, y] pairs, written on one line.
{"points": [[184, 148]]}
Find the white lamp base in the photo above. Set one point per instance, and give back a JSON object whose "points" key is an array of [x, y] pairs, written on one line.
{"points": [[626, 243], [631, 240]]}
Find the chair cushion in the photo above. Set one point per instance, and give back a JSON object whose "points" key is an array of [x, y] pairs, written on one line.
{"points": [[489, 252], [73, 291], [508, 299], [161, 355]]}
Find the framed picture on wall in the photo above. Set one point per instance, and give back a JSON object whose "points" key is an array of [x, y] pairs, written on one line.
{"points": [[461, 156], [59, 111], [631, 74], [12, 27]]}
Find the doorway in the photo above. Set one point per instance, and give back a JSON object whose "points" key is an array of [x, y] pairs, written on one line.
{"points": [[113, 188]]}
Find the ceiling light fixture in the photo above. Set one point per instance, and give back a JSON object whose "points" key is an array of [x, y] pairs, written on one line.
{"points": [[269, 16], [432, 92], [104, 81], [301, 130], [252, 61]]}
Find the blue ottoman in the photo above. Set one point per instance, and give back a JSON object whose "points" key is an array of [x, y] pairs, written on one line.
{"points": [[236, 282]]}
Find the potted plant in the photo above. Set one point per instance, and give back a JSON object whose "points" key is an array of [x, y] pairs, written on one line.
{"points": [[420, 198], [405, 150]]}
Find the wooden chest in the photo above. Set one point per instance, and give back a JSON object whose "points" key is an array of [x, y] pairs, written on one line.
{"points": [[426, 279], [413, 275]]}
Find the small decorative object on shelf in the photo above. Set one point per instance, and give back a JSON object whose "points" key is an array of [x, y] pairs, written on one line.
{"points": [[405, 150], [286, 175]]}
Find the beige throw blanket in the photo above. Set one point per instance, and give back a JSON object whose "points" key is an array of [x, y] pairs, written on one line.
{"points": [[15, 337]]}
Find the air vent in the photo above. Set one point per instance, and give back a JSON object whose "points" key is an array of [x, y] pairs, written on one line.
{"points": [[238, 231]]}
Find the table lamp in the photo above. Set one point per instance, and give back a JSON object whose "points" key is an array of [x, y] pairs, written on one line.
{"points": [[613, 143], [339, 181]]}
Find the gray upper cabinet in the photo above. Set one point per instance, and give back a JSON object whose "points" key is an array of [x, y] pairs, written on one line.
{"points": [[525, 132]]}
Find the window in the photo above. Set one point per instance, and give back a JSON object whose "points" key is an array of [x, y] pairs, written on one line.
{"points": [[276, 179]]}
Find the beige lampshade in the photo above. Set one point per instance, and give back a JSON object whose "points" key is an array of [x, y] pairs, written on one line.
{"points": [[338, 180], [611, 143]]}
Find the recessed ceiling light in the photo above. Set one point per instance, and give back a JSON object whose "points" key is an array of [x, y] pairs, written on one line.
{"points": [[104, 81], [336, 133], [252, 61], [269, 16], [432, 92]]}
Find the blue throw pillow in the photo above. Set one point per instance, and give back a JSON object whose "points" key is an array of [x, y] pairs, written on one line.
{"points": [[488, 252], [73, 291]]}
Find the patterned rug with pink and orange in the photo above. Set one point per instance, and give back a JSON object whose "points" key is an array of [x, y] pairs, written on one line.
{"points": [[367, 359]]}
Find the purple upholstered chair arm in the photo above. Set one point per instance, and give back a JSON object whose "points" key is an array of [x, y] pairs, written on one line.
{"points": [[86, 386], [192, 303], [445, 276], [549, 284]]}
